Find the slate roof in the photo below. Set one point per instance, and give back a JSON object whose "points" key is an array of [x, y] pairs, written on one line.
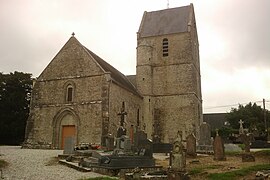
{"points": [[116, 75], [168, 21]]}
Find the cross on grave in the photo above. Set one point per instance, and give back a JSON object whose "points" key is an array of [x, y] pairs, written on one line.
{"points": [[121, 129], [241, 128], [122, 115]]}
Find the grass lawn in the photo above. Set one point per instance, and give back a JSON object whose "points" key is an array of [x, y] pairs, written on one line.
{"points": [[238, 173]]}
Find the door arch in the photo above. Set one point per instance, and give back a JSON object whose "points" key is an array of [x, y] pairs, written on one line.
{"points": [[65, 123]]}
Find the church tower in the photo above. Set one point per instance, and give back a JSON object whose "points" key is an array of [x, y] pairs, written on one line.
{"points": [[168, 73]]}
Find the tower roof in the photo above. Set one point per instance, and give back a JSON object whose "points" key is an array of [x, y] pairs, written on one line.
{"points": [[167, 21]]}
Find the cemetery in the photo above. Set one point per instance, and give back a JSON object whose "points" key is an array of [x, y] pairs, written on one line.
{"points": [[137, 157]]}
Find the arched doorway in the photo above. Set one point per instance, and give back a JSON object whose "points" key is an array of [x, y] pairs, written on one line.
{"points": [[65, 125]]}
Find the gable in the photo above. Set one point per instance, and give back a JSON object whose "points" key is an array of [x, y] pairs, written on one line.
{"points": [[168, 21], [74, 60], [71, 61]]}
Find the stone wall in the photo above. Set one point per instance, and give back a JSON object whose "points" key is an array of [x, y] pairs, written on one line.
{"points": [[133, 103], [48, 102]]}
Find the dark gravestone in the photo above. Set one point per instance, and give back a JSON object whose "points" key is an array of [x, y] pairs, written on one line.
{"points": [[146, 148], [138, 137], [205, 134], [69, 145], [219, 150], [191, 145], [109, 142], [162, 147]]}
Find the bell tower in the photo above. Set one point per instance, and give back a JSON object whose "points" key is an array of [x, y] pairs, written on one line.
{"points": [[168, 72]]}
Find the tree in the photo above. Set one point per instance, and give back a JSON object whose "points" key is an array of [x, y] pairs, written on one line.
{"points": [[251, 114], [15, 93]]}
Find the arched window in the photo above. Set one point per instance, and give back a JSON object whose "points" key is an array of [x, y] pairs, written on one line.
{"points": [[165, 47], [70, 93]]}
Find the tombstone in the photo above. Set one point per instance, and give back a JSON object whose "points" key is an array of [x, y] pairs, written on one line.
{"points": [[127, 144], [178, 155], [219, 150], [191, 145], [241, 128], [246, 139], [69, 145], [139, 136], [109, 142], [205, 134]]}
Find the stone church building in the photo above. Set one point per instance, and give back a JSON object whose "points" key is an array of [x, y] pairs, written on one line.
{"points": [[80, 95]]}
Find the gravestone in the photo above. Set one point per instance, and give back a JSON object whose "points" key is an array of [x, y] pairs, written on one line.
{"points": [[178, 155], [191, 145], [219, 150], [246, 139], [109, 142], [139, 136], [205, 144], [69, 145], [205, 134], [127, 144], [178, 160]]}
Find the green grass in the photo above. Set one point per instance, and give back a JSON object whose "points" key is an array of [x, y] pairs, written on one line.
{"points": [[233, 153], [265, 152], [199, 170], [238, 173], [101, 178], [3, 163], [242, 146]]}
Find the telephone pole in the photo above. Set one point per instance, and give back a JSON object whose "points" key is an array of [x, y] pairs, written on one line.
{"points": [[264, 116]]}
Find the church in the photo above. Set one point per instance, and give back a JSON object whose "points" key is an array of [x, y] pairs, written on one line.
{"points": [[80, 95]]}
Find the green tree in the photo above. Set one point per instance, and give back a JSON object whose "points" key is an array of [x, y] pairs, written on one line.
{"points": [[15, 92], [251, 114]]}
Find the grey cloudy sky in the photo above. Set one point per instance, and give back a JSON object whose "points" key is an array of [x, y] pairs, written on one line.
{"points": [[234, 37]]}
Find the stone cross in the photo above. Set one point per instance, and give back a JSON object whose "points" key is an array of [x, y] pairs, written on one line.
{"points": [[241, 128], [122, 115]]}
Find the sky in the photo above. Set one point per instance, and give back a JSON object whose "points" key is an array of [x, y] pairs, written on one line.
{"points": [[234, 39]]}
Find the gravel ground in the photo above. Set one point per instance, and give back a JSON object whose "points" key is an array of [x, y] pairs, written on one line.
{"points": [[36, 164]]}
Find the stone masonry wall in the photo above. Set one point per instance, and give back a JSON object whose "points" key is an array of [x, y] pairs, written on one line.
{"points": [[175, 83], [132, 104]]}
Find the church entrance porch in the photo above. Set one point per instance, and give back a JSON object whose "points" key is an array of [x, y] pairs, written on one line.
{"points": [[65, 125]]}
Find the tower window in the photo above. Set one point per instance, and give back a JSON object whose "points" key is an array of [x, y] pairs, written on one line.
{"points": [[165, 47]]}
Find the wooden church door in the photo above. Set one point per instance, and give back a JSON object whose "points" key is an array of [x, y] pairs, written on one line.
{"points": [[67, 131]]}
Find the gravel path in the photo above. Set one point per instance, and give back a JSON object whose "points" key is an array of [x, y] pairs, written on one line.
{"points": [[36, 164]]}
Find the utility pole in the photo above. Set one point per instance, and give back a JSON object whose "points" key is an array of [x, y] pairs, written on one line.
{"points": [[265, 122], [264, 116]]}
